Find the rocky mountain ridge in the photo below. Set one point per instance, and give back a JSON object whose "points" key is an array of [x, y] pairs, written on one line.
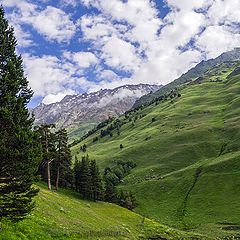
{"points": [[91, 107]]}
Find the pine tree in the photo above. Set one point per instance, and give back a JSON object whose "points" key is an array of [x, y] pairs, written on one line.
{"points": [[97, 188], [63, 173], [49, 152], [77, 174], [110, 192], [20, 151], [85, 179]]}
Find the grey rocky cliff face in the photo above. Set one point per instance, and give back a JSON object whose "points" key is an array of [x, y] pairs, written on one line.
{"points": [[91, 107]]}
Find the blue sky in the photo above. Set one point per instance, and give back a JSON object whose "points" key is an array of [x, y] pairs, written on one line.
{"points": [[76, 46]]}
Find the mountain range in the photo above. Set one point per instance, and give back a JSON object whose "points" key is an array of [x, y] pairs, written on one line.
{"points": [[83, 111]]}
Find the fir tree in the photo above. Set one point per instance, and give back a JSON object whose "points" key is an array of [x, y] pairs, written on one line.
{"points": [[77, 174], [49, 152], [110, 192], [86, 186], [96, 180], [63, 172], [20, 151]]}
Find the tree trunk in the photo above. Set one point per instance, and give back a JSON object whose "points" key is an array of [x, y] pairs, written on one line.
{"points": [[57, 178], [49, 175]]}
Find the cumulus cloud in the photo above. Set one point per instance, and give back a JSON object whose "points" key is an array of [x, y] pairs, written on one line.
{"points": [[45, 74], [120, 54], [127, 42], [217, 39], [159, 50], [67, 3], [119, 95], [51, 76], [82, 59], [52, 23], [52, 98]]}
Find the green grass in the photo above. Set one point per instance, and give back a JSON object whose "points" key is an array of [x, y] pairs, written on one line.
{"points": [[76, 132], [62, 215], [201, 129]]}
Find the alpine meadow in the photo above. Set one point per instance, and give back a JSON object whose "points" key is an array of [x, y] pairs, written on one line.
{"points": [[119, 119]]}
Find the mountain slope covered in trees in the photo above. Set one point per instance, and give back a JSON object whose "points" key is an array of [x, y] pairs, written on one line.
{"points": [[186, 148]]}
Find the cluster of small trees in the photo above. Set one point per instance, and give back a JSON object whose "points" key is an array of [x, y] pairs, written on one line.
{"points": [[113, 177], [83, 148], [90, 184], [88, 180], [117, 124], [55, 167], [85, 176]]}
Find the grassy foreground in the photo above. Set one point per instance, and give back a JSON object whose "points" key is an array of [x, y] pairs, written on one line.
{"points": [[62, 215], [188, 160]]}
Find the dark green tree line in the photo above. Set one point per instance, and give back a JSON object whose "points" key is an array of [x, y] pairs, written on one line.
{"points": [[88, 179], [55, 167]]}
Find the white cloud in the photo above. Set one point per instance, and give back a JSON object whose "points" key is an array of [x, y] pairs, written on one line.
{"points": [[45, 74], [126, 36], [52, 23], [82, 59], [120, 94], [224, 12], [217, 39], [162, 61], [186, 5], [52, 98], [108, 75], [120, 54], [71, 3], [51, 76]]}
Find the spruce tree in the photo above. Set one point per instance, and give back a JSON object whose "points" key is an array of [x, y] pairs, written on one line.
{"points": [[110, 192], [20, 151], [48, 151], [85, 179], [63, 172], [97, 188], [77, 174]]}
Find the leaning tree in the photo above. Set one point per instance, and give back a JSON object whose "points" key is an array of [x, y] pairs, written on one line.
{"points": [[20, 151]]}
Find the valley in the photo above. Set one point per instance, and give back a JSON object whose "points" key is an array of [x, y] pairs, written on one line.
{"points": [[187, 158], [119, 120]]}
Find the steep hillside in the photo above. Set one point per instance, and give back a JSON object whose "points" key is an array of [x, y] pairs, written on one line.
{"points": [[199, 70], [63, 216], [187, 151], [82, 112]]}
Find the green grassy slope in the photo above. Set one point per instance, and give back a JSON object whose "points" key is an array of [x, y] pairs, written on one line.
{"points": [[62, 215], [188, 161], [76, 132]]}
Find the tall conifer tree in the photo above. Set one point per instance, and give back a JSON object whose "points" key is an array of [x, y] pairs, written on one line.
{"points": [[63, 172], [48, 150], [97, 188], [85, 183], [20, 151]]}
